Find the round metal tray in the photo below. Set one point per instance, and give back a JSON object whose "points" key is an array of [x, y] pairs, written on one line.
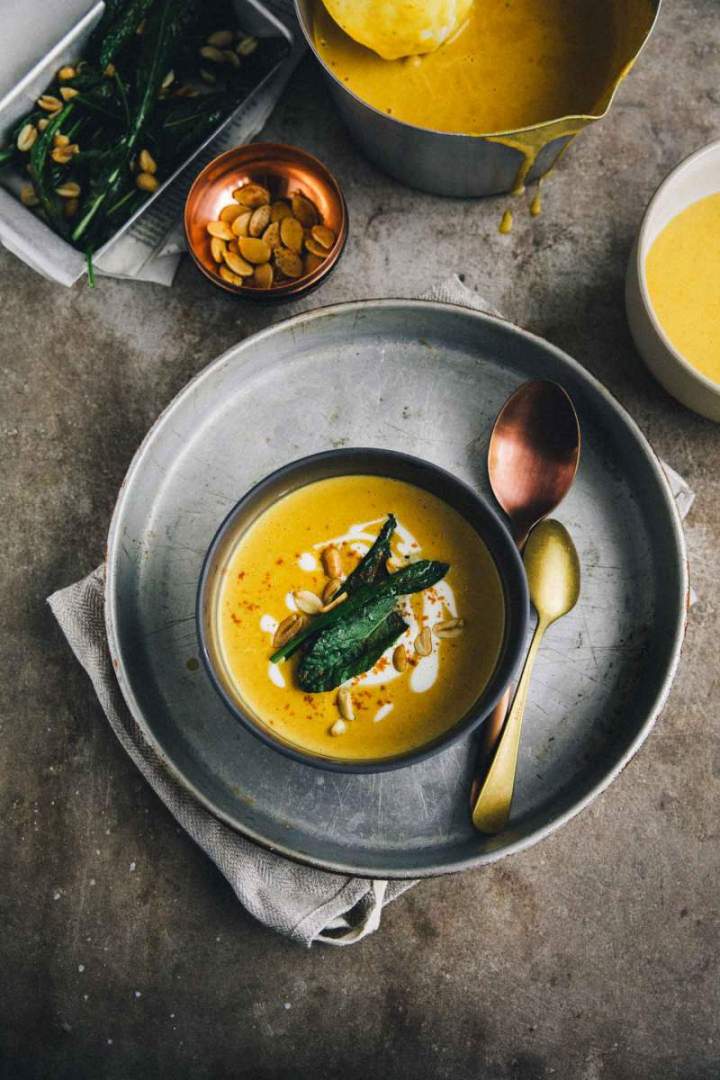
{"points": [[426, 378]]}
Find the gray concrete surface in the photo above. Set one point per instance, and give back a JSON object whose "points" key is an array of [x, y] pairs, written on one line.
{"points": [[124, 955]]}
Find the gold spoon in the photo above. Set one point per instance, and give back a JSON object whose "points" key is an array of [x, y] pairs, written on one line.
{"points": [[553, 572], [532, 461]]}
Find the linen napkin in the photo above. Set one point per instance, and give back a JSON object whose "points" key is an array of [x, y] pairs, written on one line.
{"points": [[301, 902]]}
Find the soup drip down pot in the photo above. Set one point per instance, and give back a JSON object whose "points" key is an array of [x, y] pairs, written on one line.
{"points": [[446, 163]]}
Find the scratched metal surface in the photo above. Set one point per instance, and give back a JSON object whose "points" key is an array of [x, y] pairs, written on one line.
{"points": [[429, 379]]}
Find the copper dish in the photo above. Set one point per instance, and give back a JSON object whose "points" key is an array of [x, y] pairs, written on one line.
{"points": [[282, 169]]}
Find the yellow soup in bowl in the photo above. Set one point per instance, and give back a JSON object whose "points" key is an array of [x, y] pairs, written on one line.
{"points": [[296, 558], [683, 275]]}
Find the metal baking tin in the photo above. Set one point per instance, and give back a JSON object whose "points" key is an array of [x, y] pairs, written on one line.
{"points": [[425, 378], [448, 163], [364, 461], [24, 231]]}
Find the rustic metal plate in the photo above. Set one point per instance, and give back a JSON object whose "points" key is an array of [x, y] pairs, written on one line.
{"points": [[426, 378]]}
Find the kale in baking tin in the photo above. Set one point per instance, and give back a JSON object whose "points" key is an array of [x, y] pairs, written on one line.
{"points": [[349, 639], [156, 78]]}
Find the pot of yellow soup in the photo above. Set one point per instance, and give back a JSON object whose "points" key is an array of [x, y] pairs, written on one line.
{"points": [[491, 108], [302, 551]]}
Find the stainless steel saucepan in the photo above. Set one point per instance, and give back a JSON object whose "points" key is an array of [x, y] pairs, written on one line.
{"points": [[446, 163]]}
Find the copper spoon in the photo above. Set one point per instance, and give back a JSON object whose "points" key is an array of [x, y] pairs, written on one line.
{"points": [[533, 456]]}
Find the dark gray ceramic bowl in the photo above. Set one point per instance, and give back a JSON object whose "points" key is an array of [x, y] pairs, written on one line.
{"points": [[457, 494]]}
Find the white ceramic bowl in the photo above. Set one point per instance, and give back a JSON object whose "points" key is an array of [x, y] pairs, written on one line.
{"points": [[693, 179]]}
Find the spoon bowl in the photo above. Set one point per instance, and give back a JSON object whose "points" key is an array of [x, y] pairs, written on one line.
{"points": [[534, 453], [553, 571]]}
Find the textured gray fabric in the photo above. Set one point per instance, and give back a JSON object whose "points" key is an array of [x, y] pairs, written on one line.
{"points": [[303, 903]]}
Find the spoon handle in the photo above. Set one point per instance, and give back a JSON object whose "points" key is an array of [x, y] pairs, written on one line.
{"points": [[492, 808], [495, 722], [488, 740]]}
